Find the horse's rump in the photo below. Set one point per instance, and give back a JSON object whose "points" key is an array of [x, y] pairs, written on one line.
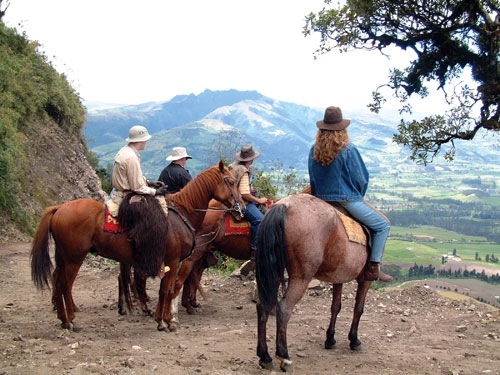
{"points": [[145, 223]]}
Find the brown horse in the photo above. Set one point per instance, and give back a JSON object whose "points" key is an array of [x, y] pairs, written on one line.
{"points": [[304, 235], [211, 235], [77, 229]]}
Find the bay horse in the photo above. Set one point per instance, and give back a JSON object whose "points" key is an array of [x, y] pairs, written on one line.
{"points": [[304, 235], [77, 228]]}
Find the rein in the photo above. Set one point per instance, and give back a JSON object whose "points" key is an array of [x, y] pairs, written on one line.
{"points": [[214, 233], [188, 224]]}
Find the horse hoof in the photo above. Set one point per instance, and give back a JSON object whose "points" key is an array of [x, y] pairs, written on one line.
{"points": [[286, 365], [172, 327], [266, 365], [161, 326], [358, 347], [76, 329], [329, 345]]}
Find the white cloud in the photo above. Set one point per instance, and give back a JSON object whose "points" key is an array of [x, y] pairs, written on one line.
{"points": [[122, 51]]}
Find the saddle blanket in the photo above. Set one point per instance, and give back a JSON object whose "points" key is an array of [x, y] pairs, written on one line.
{"points": [[355, 231], [233, 227], [111, 223]]}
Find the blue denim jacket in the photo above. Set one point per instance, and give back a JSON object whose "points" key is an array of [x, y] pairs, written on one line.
{"points": [[344, 179]]}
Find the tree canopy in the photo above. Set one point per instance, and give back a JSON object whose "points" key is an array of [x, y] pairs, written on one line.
{"points": [[456, 44]]}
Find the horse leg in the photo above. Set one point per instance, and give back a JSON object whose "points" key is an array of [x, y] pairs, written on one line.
{"points": [[139, 286], [265, 360], [163, 315], [359, 306], [190, 288], [62, 294], [193, 282], [57, 297], [295, 291], [335, 309], [124, 286]]}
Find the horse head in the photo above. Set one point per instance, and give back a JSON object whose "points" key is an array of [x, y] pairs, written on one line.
{"points": [[228, 193]]}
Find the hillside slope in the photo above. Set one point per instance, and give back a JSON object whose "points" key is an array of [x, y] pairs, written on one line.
{"points": [[42, 149]]}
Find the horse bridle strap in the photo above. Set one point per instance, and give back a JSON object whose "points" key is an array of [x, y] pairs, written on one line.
{"points": [[188, 224], [213, 234]]}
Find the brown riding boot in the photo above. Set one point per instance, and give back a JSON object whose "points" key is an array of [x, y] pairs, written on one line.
{"points": [[384, 277], [373, 273]]}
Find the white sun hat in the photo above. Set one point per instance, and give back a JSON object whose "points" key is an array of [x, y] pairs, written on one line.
{"points": [[178, 153]]}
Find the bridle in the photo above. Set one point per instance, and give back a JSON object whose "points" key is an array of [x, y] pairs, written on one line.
{"points": [[236, 205]]}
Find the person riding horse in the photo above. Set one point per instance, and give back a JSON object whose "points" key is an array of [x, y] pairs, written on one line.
{"points": [[241, 171], [127, 173], [338, 174]]}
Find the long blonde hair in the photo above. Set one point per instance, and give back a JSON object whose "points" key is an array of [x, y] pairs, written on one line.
{"points": [[329, 143]]}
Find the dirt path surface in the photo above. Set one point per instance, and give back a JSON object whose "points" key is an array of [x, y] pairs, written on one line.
{"points": [[414, 331]]}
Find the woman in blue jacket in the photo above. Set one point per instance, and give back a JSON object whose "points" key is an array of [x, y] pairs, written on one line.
{"points": [[337, 173]]}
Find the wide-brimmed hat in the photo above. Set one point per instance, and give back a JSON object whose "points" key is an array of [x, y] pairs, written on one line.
{"points": [[247, 153], [178, 153], [138, 133], [333, 120]]}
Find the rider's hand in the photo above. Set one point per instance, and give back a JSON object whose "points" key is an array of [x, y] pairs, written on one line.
{"points": [[161, 191], [155, 184]]}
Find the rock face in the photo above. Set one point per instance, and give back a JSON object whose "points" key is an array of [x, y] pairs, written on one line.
{"points": [[57, 172]]}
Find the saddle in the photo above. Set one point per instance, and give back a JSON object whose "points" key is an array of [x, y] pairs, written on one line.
{"points": [[111, 223], [355, 231], [236, 228]]}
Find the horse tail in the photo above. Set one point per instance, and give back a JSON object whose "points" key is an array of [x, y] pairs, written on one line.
{"points": [[41, 265], [145, 223], [271, 255]]}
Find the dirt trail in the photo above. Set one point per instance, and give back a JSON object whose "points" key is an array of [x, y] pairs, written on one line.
{"points": [[415, 331]]}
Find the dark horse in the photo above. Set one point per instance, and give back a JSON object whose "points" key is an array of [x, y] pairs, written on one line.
{"points": [[304, 235], [77, 229]]}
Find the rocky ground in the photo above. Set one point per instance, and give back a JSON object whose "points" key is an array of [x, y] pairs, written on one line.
{"points": [[410, 331]]}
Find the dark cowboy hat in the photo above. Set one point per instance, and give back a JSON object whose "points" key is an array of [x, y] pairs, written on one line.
{"points": [[247, 153], [333, 120]]}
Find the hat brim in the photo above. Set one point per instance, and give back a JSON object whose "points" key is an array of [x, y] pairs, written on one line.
{"points": [[255, 156], [174, 158], [143, 139], [341, 125]]}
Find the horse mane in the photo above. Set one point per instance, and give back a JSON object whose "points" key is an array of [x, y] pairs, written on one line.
{"points": [[194, 194], [145, 223]]}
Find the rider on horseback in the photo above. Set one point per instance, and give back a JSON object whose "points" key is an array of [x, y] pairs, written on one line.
{"points": [[338, 174], [127, 173], [241, 171]]}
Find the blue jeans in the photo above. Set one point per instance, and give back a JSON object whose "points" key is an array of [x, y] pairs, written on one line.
{"points": [[254, 217], [378, 225]]}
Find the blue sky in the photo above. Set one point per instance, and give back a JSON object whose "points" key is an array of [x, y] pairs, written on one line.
{"points": [[130, 52]]}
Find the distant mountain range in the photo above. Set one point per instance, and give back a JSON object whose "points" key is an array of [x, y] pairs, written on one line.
{"points": [[216, 123]]}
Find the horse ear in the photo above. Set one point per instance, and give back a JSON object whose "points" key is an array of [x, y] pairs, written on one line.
{"points": [[221, 166]]}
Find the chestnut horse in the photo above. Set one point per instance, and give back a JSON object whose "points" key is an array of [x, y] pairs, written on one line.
{"points": [[77, 228], [211, 235], [304, 235]]}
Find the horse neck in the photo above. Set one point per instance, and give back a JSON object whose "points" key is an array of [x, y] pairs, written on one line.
{"points": [[194, 198]]}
